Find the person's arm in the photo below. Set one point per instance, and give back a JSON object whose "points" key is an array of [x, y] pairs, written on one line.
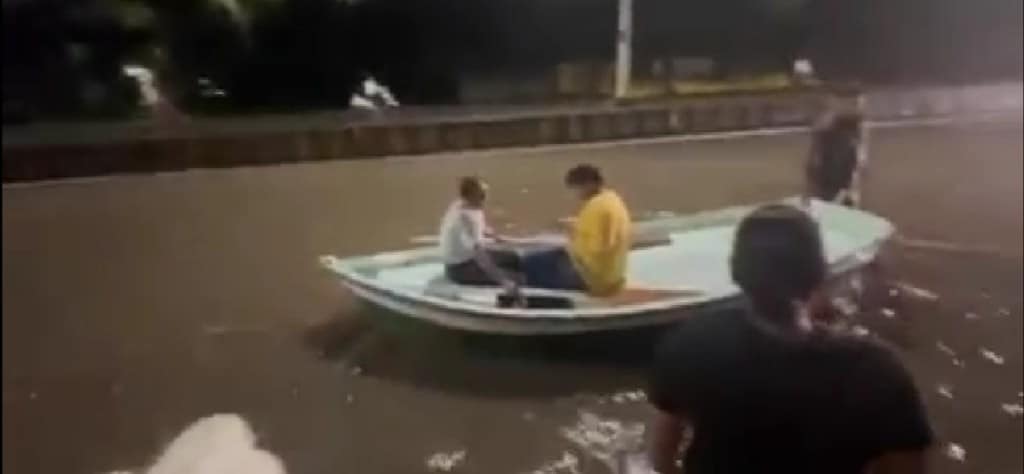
{"points": [[666, 440], [896, 426], [900, 462], [683, 363]]}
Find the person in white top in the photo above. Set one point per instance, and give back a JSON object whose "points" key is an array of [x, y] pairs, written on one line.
{"points": [[463, 239]]}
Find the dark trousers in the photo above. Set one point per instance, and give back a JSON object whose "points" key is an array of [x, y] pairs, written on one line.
{"points": [[552, 269], [471, 273]]}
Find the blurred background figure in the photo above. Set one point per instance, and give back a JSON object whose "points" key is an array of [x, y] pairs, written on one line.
{"points": [[803, 71], [372, 95], [150, 97]]}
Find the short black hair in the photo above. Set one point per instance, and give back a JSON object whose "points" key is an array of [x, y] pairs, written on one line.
{"points": [[584, 174], [471, 186], [777, 258]]}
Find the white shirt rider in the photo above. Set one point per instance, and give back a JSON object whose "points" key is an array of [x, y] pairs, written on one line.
{"points": [[462, 232]]}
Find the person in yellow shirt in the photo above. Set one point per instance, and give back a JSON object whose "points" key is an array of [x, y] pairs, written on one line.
{"points": [[599, 241]]}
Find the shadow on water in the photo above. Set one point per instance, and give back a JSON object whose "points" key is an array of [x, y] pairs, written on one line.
{"points": [[382, 344]]}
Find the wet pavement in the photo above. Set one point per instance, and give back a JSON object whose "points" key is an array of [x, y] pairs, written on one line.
{"points": [[133, 306]]}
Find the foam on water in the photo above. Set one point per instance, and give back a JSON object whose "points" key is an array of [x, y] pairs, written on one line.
{"points": [[606, 440]]}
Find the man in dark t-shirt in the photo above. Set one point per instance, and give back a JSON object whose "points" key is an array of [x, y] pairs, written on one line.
{"points": [[764, 391], [838, 153]]}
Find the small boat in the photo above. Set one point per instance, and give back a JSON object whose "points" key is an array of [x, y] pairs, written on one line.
{"points": [[679, 268]]}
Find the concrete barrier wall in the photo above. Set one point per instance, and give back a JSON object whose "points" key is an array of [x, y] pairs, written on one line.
{"points": [[195, 149]]}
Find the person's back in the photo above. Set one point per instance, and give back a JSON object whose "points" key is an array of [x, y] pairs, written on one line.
{"points": [[838, 150], [462, 228], [765, 402], [767, 392], [839, 155], [600, 242]]}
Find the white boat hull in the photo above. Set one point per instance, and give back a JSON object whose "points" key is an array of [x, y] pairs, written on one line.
{"points": [[410, 283]]}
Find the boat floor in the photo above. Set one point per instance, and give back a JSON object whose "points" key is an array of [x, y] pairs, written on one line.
{"points": [[692, 263]]}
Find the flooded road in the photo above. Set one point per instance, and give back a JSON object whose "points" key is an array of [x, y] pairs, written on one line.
{"points": [[133, 306]]}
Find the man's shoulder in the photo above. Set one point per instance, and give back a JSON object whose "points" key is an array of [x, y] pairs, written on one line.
{"points": [[867, 355]]}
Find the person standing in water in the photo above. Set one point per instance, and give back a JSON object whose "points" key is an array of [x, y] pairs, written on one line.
{"points": [[838, 154], [762, 389], [599, 241], [463, 240]]}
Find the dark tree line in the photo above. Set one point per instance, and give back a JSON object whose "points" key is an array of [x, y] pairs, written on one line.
{"points": [[63, 58]]}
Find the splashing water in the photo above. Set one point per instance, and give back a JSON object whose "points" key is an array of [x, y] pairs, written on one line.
{"points": [[606, 440], [956, 452], [916, 292], [629, 396], [446, 462], [1013, 409], [991, 356], [945, 390], [859, 331], [942, 347], [567, 464]]}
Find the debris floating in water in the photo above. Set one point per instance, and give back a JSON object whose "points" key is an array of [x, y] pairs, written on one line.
{"points": [[1013, 409], [945, 390], [970, 316], [945, 349], [1003, 312], [446, 462], [859, 331], [956, 452], [356, 371], [888, 313], [991, 356], [894, 292], [529, 416], [567, 464], [349, 399], [916, 292]]}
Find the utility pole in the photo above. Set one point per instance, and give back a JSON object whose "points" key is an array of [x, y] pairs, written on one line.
{"points": [[624, 48]]}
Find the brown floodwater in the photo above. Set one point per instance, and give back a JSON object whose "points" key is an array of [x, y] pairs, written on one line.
{"points": [[135, 305]]}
